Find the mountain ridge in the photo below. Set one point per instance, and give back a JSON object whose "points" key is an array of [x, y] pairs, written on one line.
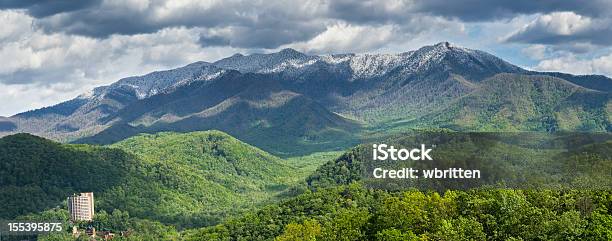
{"points": [[367, 90]]}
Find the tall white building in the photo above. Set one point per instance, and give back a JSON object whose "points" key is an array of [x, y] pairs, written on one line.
{"points": [[81, 207]]}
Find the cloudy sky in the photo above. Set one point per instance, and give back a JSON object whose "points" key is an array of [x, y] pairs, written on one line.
{"points": [[53, 50]]}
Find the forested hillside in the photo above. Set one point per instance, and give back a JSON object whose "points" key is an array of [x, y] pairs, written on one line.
{"points": [[352, 212], [343, 204], [507, 159], [190, 179], [509, 102], [207, 175], [210, 186], [36, 174]]}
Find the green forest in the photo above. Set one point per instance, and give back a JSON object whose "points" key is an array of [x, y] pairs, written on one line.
{"points": [[187, 180], [352, 212], [211, 186]]}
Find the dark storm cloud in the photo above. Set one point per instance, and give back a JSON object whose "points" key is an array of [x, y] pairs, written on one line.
{"points": [[248, 24], [214, 40], [260, 36], [102, 21], [254, 38], [98, 24], [270, 24], [483, 10], [598, 31], [563, 24], [467, 10], [29, 76], [44, 8]]}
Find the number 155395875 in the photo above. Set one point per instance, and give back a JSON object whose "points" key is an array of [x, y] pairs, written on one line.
{"points": [[29, 227]]}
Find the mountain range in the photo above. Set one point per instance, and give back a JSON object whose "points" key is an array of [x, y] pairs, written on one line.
{"points": [[289, 102]]}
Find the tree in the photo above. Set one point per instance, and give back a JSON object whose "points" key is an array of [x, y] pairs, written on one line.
{"points": [[461, 229], [119, 221], [308, 231], [101, 221], [347, 225], [600, 227]]}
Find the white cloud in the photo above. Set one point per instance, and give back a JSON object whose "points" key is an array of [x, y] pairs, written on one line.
{"points": [[575, 65], [344, 37], [14, 24], [561, 23], [536, 51], [32, 96], [564, 28], [547, 27], [347, 38], [41, 69]]}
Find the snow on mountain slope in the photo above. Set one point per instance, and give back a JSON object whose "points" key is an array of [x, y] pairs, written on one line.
{"points": [[289, 61], [446, 55], [263, 62], [362, 86], [292, 61], [368, 65], [157, 82], [291, 64]]}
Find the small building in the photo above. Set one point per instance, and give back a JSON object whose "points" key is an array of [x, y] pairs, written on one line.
{"points": [[81, 206]]}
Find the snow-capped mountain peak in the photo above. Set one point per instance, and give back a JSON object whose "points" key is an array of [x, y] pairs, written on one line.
{"points": [[449, 56], [159, 81], [264, 63], [291, 62]]}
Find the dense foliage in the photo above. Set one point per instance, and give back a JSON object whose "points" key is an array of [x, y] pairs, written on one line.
{"points": [[516, 160], [189, 180], [199, 186], [205, 176], [37, 174], [508, 102], [352, 212], [341, 208]]}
